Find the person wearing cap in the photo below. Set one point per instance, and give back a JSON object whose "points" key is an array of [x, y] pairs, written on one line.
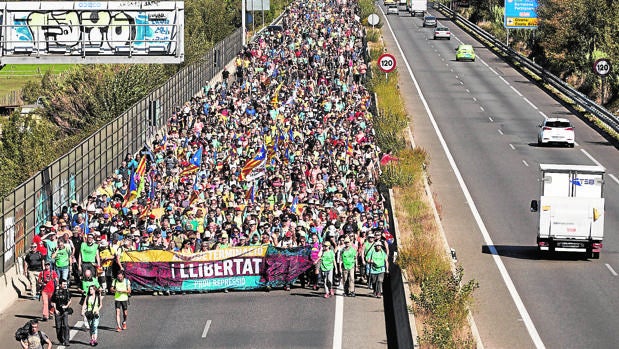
{"points": [[223, 242], [379, 265], [33, 266], [51, 244], [326, 262], [348, 256], [47, 281], [368, 247]]}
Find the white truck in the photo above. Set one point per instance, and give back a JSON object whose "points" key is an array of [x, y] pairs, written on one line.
{"points": [[417, 7], [402, 5], [571, 209]]}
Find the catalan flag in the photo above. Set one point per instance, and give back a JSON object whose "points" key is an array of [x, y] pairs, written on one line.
{"points": [[250, 165], [275, 99], [136, 178], [194, 163], [349, 149]]}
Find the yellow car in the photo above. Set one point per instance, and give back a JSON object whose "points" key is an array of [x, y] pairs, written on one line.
{"points": [[389, 2], [465, 53]]}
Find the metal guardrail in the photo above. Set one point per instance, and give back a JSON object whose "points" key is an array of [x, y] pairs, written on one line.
{"points": [[601, 113]]}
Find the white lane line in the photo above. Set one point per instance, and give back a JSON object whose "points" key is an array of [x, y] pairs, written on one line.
{"points": [[482, 108], [525, 163], [467, 90], [591, 157], [517, 92], [524, 314], [73, 332], [512, 146], [612, 271], [530, 103], [542, 114], [490, 118], [614, 178], [505, 81], [410, 135], [501, 132], [206, 328], [474, 99], [338, 327]]}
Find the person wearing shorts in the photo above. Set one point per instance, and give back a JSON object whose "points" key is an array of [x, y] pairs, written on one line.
{"points": [[122, 289]]}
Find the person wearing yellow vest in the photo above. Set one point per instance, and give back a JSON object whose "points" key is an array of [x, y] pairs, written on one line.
{"points": [[122, 289]]}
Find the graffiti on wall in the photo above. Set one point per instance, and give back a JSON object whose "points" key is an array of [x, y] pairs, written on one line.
{"points": [[41, 211], [93, 27], [64, 191], [14, 234]]}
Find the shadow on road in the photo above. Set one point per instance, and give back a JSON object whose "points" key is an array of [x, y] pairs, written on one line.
{"points": [[531, 252]]}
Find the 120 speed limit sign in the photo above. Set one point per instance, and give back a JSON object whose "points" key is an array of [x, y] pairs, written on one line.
{"points": [[386, 62], [602, 67]]}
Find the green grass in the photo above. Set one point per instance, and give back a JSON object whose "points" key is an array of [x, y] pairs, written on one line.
{"points": [[14, 76]]}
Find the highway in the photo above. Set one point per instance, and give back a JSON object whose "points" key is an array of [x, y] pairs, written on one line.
{"points": [[487, 114]]}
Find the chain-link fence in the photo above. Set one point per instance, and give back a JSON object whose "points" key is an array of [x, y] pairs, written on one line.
{"points": [[82, 170]]}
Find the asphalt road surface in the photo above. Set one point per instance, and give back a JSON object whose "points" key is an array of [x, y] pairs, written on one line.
{"points": [[487, 114]]}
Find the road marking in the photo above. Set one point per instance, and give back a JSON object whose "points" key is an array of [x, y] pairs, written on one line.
{"points": [[542, 114], [505, 81], [530, 103], [490, 118], [526, 318], [338, 327], [501, 132], [474, 99], [482, 108], [591, 157], [467, 91], [517, 92], [525, 163], [614, 178], [512, 146], [612, 271], [206, 328], [73, 332]]}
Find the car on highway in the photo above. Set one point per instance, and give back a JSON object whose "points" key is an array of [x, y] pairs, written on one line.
{"points": [[442, 33], [556, 131], [392, 9], [465, 53], [389, 2], [429, 21]]}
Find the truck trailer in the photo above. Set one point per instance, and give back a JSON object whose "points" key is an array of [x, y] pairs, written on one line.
{"points": [[417, 7], [571, 209]]}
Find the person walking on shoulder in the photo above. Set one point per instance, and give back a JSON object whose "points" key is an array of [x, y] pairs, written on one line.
{"points": [[91, 310], [61, 300], [122, 289], [36, 339], [33, 266], [48, 280], [379, 265], [327, 264], [349, 258]]}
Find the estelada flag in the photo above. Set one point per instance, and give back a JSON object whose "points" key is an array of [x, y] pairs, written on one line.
{"points": [[250, 165], [194, 164]]}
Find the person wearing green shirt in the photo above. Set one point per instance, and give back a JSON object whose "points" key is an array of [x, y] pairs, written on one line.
{"points": [[349, 257], [62, 260], [379, 265], [89, 256], [327, 263]]}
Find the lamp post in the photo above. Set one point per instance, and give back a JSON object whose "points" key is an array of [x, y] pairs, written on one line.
{"points": [[243, 15]]}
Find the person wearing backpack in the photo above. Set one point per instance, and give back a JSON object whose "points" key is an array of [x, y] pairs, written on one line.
{"points": [[122, 289], [61, 302], [35, 339]]}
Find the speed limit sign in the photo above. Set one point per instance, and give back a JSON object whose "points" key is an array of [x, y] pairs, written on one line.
{"points": [[602, 67], [386, 62]]}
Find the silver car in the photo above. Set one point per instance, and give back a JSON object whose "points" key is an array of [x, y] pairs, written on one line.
{"points": [[392, 10], [429, 21], [442, 33]]}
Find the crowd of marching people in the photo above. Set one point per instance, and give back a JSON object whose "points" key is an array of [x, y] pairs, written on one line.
{"points": [[280, 152]]}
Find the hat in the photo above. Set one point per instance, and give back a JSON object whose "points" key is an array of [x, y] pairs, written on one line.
{"points": [[152, 216], [252, 222], [327, 243], [347, 239], [48, 225], [370, 235], [224, 236], [103, 243], [288, 234], [73, 202]]}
